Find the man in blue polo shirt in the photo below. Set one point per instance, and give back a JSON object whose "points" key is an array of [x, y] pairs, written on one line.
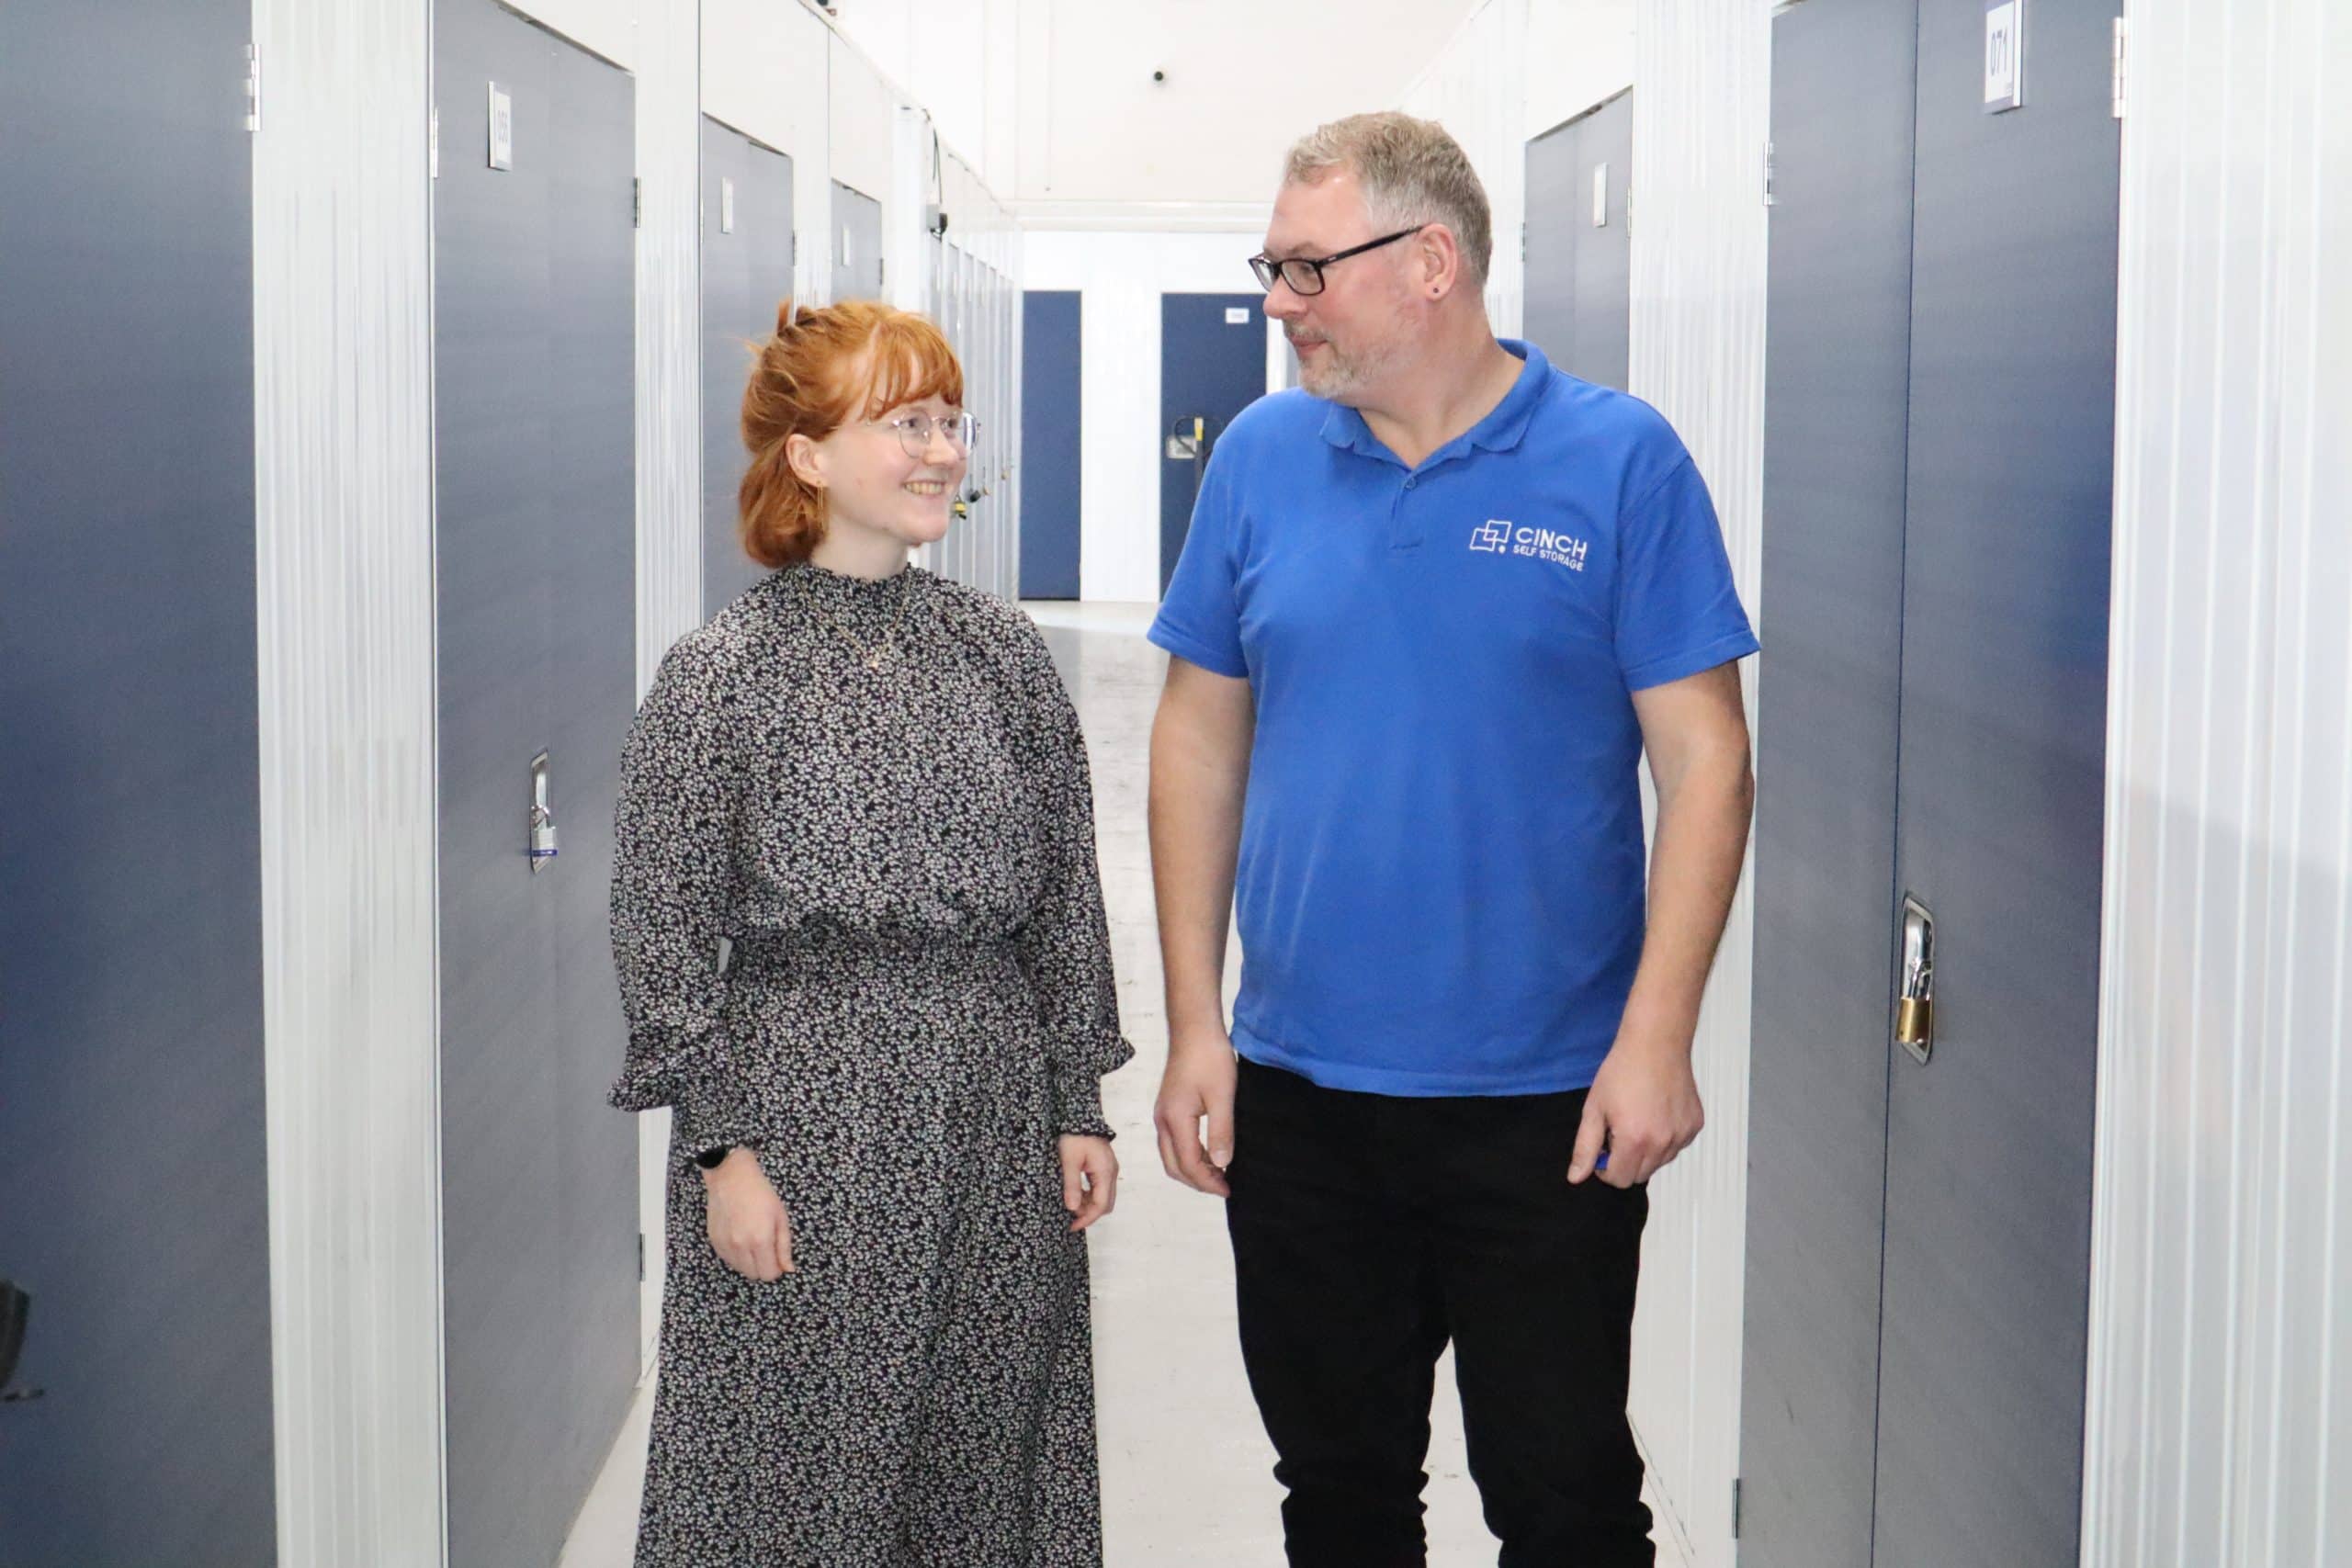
{"points": [[1433, 609]]}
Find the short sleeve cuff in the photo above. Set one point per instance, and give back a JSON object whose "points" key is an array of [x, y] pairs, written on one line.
{"points": [[1670, 667], [1192, 650]]}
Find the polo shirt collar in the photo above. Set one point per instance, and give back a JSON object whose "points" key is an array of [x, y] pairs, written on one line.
{"points": [[1499, 431]]}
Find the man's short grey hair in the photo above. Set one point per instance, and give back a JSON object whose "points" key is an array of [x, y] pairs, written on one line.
{"points": [[1412, 171]]}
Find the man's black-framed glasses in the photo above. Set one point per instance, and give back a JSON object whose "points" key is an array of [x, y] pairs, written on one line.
{"points": [[1304, 274]]}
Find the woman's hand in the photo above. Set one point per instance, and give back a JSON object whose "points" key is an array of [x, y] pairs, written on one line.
{"points": [[748, 1228], [1089, 1179]]}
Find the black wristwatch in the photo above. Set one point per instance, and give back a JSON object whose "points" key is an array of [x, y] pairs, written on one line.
{"points": [[710, 1159]]}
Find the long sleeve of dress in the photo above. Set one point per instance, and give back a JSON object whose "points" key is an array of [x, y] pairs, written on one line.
{"points": [[673, 858], [1065, 946]]}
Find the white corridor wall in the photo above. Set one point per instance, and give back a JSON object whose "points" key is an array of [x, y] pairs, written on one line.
{"points": [[2219, 1418], [1476, 88], [1702, 110], [1120, 276]]}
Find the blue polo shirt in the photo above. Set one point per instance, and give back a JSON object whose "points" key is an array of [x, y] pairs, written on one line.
{"points": [[1441, 884]]}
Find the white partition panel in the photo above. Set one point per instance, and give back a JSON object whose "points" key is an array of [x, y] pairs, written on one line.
{"points": [[764, 66], [2220, 1419], [669, 442], [343, 344], [860, 106], [1476, 88], [1701, 107]]}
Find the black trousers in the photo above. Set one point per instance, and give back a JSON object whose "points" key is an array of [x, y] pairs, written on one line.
{"points": [[1368, 1231]]}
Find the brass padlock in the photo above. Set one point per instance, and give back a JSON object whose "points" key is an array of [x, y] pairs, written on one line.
{"points": [[1915, 1000]]}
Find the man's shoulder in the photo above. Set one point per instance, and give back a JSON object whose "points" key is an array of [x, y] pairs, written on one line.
{"points": [[1579, 408], [1608, 430]]}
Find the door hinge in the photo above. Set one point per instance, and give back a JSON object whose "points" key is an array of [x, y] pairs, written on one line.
{"points": [[640, 1258], [1736, 1490], [637, 220], [1769, 197], [2122, 65], [252, 87]]}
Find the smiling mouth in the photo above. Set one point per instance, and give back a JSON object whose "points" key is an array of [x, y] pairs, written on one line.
{"points": [[927, 487]]}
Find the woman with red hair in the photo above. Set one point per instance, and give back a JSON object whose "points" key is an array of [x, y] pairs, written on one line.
{"points": [[866, 783]]}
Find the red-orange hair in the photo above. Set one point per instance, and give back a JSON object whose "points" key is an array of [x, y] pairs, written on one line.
{"points": [[822, 369]]}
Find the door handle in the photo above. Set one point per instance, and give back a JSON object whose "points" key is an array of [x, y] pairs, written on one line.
{"points": [[1915, 997]]}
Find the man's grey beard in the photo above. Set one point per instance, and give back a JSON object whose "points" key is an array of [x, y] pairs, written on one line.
{"points": [[1340, 375]]}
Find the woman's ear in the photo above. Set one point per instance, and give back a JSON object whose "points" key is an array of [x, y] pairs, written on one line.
{"points": [[808, 460]]}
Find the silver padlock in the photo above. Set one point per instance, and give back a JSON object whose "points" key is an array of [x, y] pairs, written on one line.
{"points": [[543, 847], [542, 837]]}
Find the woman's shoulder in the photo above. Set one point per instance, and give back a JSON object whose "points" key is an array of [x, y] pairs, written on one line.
{"points": [[720, 651], [985, 618]]}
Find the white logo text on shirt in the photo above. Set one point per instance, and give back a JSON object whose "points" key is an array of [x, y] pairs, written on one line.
{"points": [[1501, 536]]}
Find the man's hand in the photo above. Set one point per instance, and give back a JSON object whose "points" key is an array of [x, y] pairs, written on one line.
{"points": [[1197, 1085], [1644, 1109], [1090, 1178]]}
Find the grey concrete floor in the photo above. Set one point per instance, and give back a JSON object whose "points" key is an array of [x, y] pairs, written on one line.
{"points": [[1187, 1476]]}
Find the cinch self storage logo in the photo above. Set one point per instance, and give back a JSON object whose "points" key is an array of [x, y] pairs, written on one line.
{"points": [[1499, 537]]}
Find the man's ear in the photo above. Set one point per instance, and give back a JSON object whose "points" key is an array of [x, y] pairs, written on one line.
{"points": [[1441, 259]]}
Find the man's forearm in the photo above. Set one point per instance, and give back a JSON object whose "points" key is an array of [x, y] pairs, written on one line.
{"points": [[1196, 799], [1694, 870]]}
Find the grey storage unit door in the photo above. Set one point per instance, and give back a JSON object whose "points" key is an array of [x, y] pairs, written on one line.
{"points": [[1996, 710], [1988, 1199], [746, 274], [133, 1168], [1836, 389], [537, 626], [1580, 271], [857, 244]]}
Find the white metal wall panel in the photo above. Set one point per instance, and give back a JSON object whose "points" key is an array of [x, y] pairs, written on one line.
{"points": [[1701, 110], [1477, 89], [669, 437], [1580, 53], [2219, 1412], [763, 71], [861, 105], [343, 339], [604, 26]]}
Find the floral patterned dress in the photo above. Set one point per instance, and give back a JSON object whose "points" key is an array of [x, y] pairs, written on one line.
{"points": [[876, 793]]}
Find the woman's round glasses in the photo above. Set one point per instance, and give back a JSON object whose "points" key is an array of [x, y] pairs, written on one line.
{"points": [[914, 431], [1304, 274]]}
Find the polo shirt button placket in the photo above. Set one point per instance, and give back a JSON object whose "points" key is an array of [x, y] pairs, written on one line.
{"points": [[1404, 532]]}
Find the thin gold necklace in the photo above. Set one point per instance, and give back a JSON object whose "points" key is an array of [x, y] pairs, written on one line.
{"points": [[872, 654]]}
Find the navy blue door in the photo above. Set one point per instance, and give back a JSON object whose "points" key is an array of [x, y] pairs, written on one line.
{"points": [[134, 1169], [1837, 392], [1051, 383], [1988, 1192], [1212, 365], [533, 399], [746, 274]]}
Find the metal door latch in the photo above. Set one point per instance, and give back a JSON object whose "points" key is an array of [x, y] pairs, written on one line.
{"points": [[1914, 1003], [543, 847]]}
